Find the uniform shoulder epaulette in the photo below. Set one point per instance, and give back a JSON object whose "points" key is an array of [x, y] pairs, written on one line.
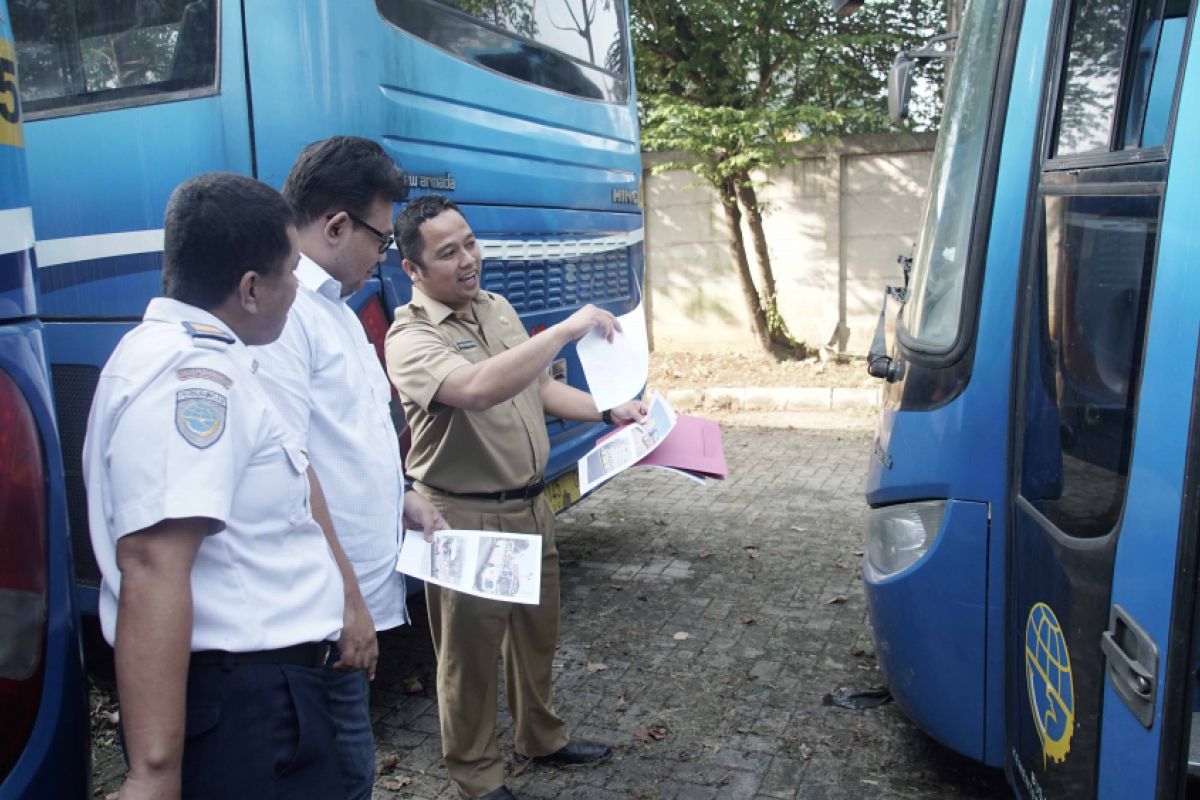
{"points": [[202, 330]]}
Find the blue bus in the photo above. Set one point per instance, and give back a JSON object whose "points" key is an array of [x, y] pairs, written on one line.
{"points": [[1032, 544], [523, 112], [44, 743]]}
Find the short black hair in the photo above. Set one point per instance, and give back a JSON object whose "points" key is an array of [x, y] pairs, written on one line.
{"points": [[407, 225], [342, 173], [218, 227]]}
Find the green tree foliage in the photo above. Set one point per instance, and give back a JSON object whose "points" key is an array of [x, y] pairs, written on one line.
{"points": [[733, 84]]}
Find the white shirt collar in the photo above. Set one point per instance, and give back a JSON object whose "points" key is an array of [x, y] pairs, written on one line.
{"points": [[314, 277]]}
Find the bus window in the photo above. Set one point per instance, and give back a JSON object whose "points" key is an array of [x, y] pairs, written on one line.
{"points": [[934, 310], [555, 44], [1092, 76], [1160, 39], [91, 55], [1089, 321]]}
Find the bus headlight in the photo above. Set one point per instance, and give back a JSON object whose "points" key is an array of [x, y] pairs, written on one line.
{"points": [[897, 536]]}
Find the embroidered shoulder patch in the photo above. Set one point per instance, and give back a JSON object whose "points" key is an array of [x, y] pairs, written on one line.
{"points": [[466, 344], [204, 374], [202, 330], [200, 416]]}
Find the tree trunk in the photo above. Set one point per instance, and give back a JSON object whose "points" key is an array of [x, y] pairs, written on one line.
{"points": [[737, 254], [777, 332]]}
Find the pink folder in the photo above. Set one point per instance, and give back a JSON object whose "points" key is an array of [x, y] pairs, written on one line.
{"points": [[693, 445]]}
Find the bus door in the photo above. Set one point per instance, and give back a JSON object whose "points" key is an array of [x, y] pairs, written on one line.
{"points": [[1103, 414]]}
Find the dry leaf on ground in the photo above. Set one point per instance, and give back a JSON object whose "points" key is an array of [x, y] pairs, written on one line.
{"points": [[650, 733]]}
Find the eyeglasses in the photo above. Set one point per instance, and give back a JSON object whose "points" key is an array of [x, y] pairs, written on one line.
{"points": [[385, 239]]}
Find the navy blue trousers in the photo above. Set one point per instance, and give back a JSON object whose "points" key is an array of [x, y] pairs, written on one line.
{"points": [[261, 732]]}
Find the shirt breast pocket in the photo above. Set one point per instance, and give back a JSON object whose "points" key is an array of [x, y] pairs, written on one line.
{"points": [[299, 506], [511, 336]]}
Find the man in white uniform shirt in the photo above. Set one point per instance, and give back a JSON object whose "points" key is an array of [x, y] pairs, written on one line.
{"points": [[219, 592], [326, 379]]}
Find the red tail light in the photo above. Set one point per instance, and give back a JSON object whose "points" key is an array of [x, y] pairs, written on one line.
{"points": [[22, 572]]}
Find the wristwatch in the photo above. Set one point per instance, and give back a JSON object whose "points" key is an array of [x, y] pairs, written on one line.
{"points": [[606, 416]]}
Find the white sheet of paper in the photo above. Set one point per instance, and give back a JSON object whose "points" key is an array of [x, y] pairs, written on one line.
{"points": [[498, 566], [616, 371]]}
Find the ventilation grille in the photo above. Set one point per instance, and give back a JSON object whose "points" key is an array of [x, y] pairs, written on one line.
{"points": [[559, 283], [74, 386]]}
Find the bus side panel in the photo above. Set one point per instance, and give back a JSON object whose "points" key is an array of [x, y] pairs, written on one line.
{"points": [[929, 631], [316, 73], [100, 183], [56, 761], [16, 222], [533, 170], [960, 450]]}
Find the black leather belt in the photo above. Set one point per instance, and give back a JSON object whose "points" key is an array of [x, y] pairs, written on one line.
{"points": [[307, 654], [525, 493]]}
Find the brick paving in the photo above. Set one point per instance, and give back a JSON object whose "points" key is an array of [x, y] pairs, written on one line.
{"points": [[702, 625]]}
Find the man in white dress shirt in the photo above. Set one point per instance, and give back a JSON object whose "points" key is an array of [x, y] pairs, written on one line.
{"points": [[327, 381], [219, 592]]}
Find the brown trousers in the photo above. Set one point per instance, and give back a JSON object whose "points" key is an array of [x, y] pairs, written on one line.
{"points": [[469, 633]]}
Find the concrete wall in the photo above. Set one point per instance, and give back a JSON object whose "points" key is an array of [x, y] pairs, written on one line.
{"points": [[836, 220]]}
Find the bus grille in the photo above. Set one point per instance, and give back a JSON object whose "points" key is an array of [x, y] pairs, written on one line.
{"points": [[74, 385], [559, 283]]}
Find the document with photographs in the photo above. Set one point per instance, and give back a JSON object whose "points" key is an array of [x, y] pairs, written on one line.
{"points": [[627, 445], [499, 566]]}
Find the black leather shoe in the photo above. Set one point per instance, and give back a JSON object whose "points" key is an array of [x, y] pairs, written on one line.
{"points": [[576, 753], [495, 794]]}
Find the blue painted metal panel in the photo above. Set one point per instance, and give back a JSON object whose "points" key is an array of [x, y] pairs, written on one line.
{"points": [[937, 454], [16, 224], [930, 624], [529, 164], [56, 761], [111, 172], [1147, 548], [321, 70]]}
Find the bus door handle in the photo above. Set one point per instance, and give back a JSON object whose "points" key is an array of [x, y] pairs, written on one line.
{"points": [[1132, 659]]}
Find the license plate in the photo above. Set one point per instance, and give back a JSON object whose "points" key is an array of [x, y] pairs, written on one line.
{"points": [[563, 491]]}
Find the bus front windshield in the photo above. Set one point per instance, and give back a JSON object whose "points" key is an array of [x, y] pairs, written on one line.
{"points": [[934, 308]]}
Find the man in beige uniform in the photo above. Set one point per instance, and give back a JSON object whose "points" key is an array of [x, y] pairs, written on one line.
{"points": [[474, 388]]}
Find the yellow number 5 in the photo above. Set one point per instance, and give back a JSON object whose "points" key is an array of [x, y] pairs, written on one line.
{"points": [[10, 99]]}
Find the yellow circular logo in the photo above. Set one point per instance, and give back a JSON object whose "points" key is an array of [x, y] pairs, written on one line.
{"points": [[1048, 678]]}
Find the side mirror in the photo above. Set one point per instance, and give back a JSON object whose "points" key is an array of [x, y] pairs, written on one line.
{"points": [[880, 363], [900, 76], [883, 361], [900, 87]]}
